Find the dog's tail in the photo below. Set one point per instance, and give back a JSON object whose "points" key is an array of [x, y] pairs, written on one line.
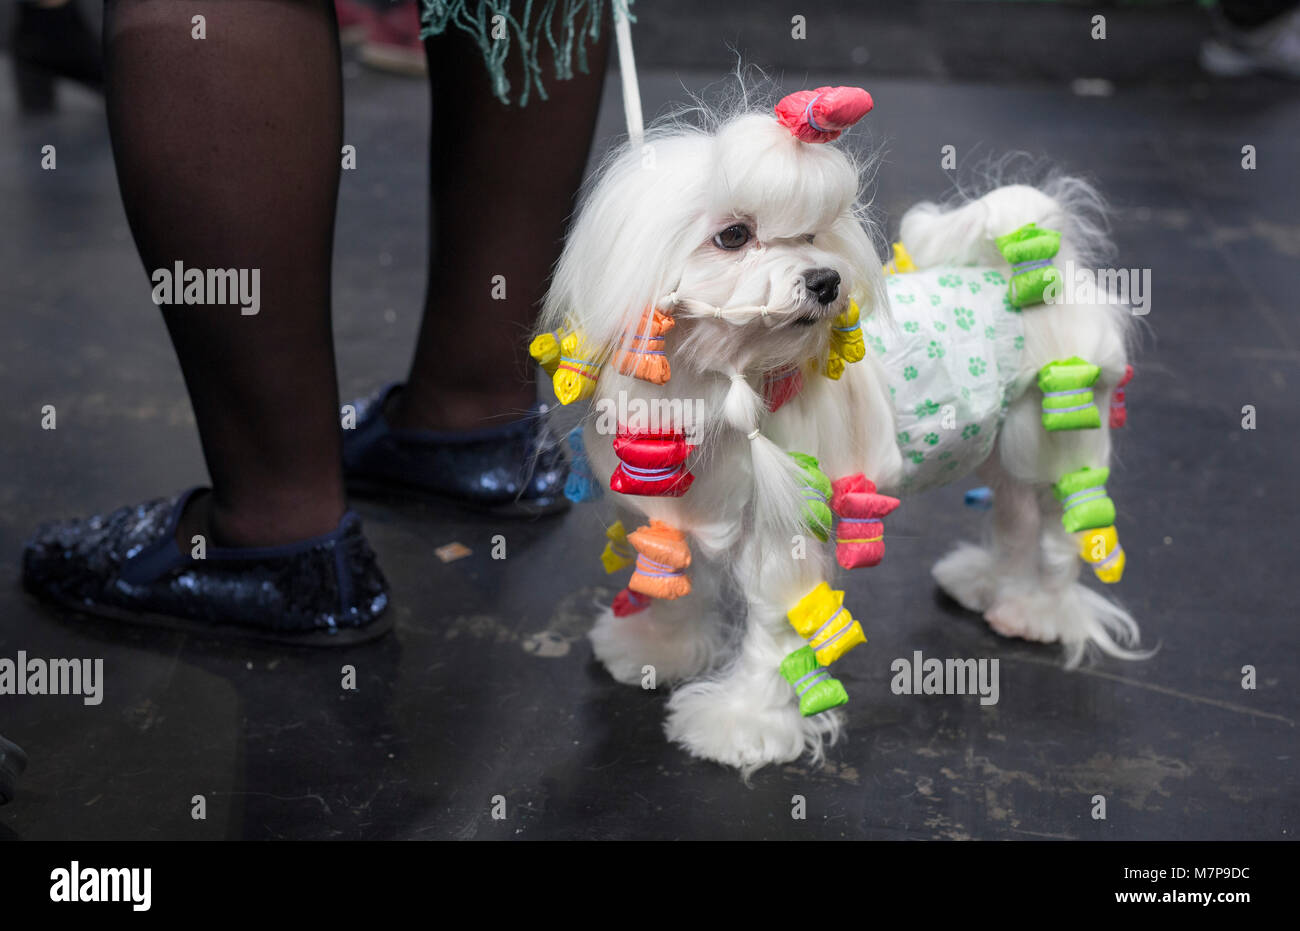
{"points": [[963, 232]]}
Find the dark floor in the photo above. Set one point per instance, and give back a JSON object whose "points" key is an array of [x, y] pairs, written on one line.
{"points": [[489, 688]]}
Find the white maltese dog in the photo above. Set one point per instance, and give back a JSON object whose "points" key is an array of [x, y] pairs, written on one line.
{"points": [[759, 384]]}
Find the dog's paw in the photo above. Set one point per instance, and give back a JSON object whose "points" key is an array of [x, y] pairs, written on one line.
{"points": [[966, 576], [1077, 617], [713, 721], [1027, 616], [676, 647]]}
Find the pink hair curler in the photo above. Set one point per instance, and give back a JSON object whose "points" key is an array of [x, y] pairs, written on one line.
{"points": [[821, 115]]}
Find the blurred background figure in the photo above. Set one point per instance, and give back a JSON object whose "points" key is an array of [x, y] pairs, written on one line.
{"points": [[1254, 36], [387, 34], [12, 762], [52, 39]]}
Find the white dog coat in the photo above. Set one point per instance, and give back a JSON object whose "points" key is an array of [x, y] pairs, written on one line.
{"points": [[953, 362]]}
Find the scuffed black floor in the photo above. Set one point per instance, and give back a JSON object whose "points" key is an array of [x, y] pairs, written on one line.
{"points": [[488, 687]]}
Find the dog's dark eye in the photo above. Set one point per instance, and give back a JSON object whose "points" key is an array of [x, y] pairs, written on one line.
{"points": [[733, 237], [809, 238]]}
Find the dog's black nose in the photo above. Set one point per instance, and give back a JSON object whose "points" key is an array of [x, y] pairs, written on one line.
{"points": [[824, 283]]}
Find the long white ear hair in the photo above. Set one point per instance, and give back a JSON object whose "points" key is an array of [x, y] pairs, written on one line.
{"points": [[856, 238], [637, 224], [778, 483]]}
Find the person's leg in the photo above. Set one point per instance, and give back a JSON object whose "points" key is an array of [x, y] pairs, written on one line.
{"points": [[227, 151], [502, 184]]}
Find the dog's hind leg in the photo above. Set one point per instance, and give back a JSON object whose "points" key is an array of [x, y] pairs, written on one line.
{"points": [[1051, 604], [1016, 577], [1025, 581], [972, 574]]}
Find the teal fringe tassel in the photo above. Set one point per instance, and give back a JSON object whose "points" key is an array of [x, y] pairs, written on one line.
{"points": [[496, 28], [581, 485]]}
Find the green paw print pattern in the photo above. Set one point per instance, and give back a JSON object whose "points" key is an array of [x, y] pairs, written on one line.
{"points": [[911, 326], [994, 278], [934, 350], [950, 281], [964, 316], [945, 455], [905, 298], [931, 439], [1020, 343], [909, 373], [904, 438], [940, 326], [917, 458], [974, 287], [970, 430], [935, 300], [876, 343], [1009, 307], [990, 332], [977, 366], [926, 408]]}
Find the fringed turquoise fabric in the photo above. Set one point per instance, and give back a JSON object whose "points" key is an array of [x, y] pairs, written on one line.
{"points": [[500, 25]]}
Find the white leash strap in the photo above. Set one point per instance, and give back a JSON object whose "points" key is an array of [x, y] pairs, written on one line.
{"points": [[627, 72]]}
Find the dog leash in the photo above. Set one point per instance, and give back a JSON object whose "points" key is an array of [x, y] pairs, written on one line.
{"points": [[627, 74]]}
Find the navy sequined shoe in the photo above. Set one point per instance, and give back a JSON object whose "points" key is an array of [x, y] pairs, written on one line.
{"points": [[513, 470], [126, 566]]}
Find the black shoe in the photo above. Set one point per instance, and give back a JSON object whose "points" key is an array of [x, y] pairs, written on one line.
{"points": [[49, 43], [514, 470], [12, 763], [126, 566]]}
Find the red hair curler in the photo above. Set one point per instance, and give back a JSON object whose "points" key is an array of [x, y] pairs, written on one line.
{"points": [[651, 464], [860, 531]]}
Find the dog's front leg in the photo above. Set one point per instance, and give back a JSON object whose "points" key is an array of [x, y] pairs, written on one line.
{"points": [[747, 715], [679, 637], [671, 640]]}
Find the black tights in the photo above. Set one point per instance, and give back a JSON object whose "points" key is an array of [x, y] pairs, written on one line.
{"points": [[227, 151]]}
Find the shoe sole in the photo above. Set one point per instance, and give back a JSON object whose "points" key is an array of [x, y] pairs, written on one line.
{"points": [[345, 637], [12, 763], [1222, 61], [395, 60], [351, 36], [398, 493]]}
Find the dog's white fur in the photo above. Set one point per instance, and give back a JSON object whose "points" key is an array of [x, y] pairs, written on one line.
{"points": [[646, 231]]}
